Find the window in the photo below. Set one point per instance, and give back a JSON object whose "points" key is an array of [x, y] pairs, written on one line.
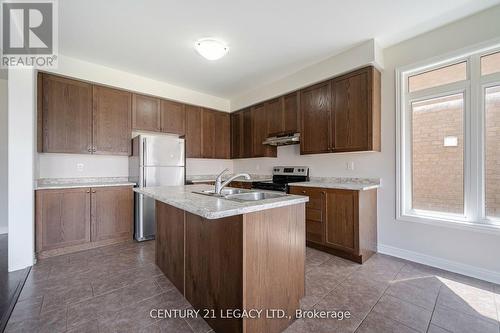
{"points": [[448, 143]]}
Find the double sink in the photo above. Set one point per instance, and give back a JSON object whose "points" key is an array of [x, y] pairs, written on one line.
{"points": [[241, 195]]}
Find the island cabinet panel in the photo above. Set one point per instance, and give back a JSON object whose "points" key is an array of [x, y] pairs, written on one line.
{"points": [[112, 213], [315, 106], [213, 277], [145, 113], [66, 116], [274, 257], [62, 218], [170, 243], [173, 117], [341, 222], [356, 113], [193, 131], [112, 121]]}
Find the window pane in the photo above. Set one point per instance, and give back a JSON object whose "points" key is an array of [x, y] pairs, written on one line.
{"points": [[490, 64], [492, 151], [438, 153], [438, 77]]}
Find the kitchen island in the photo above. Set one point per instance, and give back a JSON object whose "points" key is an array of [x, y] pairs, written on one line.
{"points": [[240, 262]]}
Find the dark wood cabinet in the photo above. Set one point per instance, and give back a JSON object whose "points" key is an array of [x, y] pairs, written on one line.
{"points": [[291, 113], [145, 113], [274, 112], [75, 219], [112, 128], [169, 246], [247, 137], [222, 135], [356, 114], [193, 131], [341, 222], [173, 117], [62, 218], [208, 133], [236, 134], [112, 213], [260, 133], [66, 117], [239, 184], [315, 107]]}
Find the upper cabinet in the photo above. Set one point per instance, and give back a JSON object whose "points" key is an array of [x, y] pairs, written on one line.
{"points": [[112, 128], [275, 111], [222, 135], [260, 132], [315, 109], [173, 117], [291, 113], [356, 111], [193, 131], [65, 116], [145, 113]]}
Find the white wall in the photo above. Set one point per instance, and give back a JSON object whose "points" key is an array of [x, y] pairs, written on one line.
{"points": [[21, 164], [358, 56], [202, 166], [66, 166], [466, 251], [3, 156]]}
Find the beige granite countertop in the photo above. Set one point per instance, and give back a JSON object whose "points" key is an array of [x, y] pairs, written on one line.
{"points": [[211, 178], [343, 183], [209, 207], [62, 183]]}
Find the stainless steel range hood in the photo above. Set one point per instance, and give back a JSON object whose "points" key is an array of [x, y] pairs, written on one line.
{"points": [[283, 139]]}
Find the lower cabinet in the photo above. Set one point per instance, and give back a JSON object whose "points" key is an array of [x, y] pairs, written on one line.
{"points": [[341, 222], [69, 220], [245, 185]]}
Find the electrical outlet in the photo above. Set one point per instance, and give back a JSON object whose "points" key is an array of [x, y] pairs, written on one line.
{"points": [[350, 165], [79, 167]]}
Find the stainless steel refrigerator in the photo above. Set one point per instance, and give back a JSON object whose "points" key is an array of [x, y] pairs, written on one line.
{"points": [[157, 160]]}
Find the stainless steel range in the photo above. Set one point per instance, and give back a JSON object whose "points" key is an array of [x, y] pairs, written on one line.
{"points": [[282, 176]]}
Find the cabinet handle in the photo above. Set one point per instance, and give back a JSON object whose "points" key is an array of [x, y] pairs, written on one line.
{"points": [[89, 149], [94, 149], [93, 191], [304, 192], [88, 191]]}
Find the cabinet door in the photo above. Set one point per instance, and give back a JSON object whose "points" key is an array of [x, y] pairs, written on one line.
{"points": [[247, 134], [222, 135], [341, 219], [62, 218], [112, 121], [274, 113], [193, 131], [315, 119], [208, 133], [145, 113], [236, 134], [112, 213], [66, 115], [259, 133], [352, 112], [291, 113], [173, 117]]}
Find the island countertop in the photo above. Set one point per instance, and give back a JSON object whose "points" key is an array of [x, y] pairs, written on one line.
{"points": [[209, 207]]}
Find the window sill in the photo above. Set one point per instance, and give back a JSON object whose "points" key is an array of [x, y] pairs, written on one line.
{"points": [[480, 226]]}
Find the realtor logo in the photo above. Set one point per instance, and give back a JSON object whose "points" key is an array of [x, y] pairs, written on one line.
{"points": [[29, 33]]}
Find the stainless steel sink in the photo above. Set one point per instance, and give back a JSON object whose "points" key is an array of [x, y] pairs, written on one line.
{"points": [[225, 192], [253, 196]]}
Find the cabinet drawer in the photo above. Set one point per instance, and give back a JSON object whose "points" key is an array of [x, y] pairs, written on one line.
{"points": [[315, 196], [314, 214], [314, 231]]}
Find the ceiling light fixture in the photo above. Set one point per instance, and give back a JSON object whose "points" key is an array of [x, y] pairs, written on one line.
{"points": [[211, 49]]}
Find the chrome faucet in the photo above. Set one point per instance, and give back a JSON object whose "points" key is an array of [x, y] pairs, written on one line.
{"points": [[219, 185]]}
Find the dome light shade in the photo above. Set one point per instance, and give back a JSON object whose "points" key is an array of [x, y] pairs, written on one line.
{"points": [[211, 49]]}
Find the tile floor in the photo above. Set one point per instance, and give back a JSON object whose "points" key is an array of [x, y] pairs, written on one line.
{"points": [[112, 289]]}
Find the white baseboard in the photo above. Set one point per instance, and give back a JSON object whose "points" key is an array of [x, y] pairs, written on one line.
{"points": [[452, 266], [3, 230]]}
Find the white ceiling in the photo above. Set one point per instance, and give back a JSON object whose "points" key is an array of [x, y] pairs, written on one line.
{"points": [[267, 39]]}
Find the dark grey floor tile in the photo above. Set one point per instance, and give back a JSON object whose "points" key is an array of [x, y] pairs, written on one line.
{"points": [[403, 290], [406, 313], [436, 329], [459, 322], [377, 323], [471, 300]]}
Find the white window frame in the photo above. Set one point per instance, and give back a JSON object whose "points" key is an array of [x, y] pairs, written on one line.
{"points": [[473, 90]]}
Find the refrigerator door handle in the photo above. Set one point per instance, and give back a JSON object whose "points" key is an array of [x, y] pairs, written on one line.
{"points": [[144, 161]]}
